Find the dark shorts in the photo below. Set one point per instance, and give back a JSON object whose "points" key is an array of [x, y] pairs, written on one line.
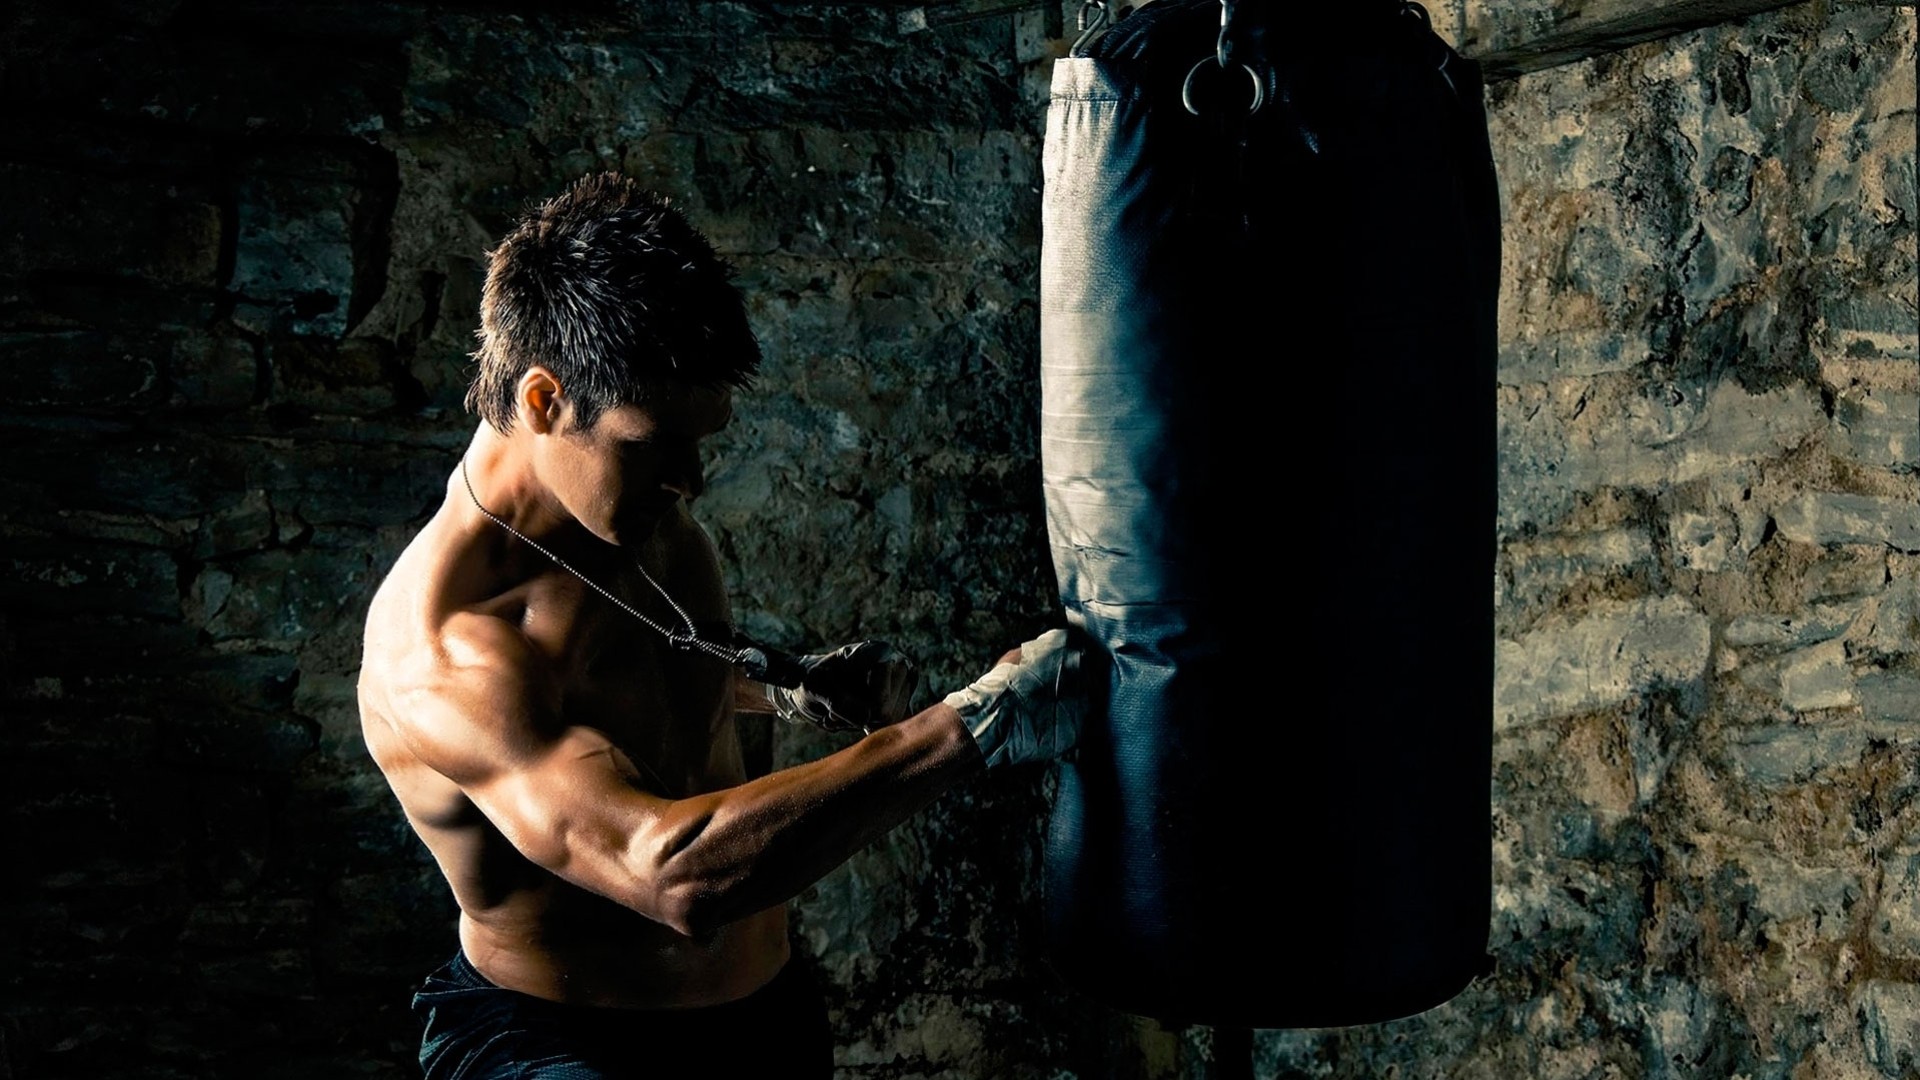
{"points": [[474, 1030]]}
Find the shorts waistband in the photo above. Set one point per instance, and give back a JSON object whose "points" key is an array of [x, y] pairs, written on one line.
{"points": [[464, 977]]}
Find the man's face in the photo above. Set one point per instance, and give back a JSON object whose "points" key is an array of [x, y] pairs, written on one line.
{"points": [[622, 479]]}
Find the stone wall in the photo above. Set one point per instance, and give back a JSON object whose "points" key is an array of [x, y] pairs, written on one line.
{"points": [[240, 253], [1706, 835], [242, 259]]}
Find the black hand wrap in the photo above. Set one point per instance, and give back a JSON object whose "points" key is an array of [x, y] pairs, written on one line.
{"points": [[856, 687], [770, 666]]}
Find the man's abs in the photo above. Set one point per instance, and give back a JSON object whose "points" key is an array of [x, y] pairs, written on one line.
{"points": [[526, 929]]}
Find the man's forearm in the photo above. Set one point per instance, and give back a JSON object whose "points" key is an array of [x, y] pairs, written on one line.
{"points": [[733, 852], [750, 696]]}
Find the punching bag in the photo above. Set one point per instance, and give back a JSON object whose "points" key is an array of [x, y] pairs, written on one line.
{"points": [[1270, 259]]}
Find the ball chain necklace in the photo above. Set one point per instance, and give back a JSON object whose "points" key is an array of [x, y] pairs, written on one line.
{"points": [[761, 664]]}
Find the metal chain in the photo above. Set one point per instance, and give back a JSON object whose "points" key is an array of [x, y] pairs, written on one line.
{"points": [[689, 640]]}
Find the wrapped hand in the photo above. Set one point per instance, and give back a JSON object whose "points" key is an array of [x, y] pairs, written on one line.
{"points": [[858, 687], [1029, 708]]}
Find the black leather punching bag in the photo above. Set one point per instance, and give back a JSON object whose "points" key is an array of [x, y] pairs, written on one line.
{"points": [[1267, 350]]}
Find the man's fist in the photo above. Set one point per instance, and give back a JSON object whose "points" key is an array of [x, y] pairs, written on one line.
{"points": [[1029, 707], [856, 687]]}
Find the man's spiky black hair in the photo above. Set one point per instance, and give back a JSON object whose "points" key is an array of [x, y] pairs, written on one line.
{"points": [[615, 292]]}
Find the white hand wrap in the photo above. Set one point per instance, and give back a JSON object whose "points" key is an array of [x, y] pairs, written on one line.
{"points": [[1026, 711]]}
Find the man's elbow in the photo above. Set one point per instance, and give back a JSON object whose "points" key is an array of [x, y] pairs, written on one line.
{"points": [[691, 908], [696, 918], [674, 892]]}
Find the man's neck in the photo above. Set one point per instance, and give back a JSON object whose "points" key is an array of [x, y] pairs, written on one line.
{"points": [[495, 480]]}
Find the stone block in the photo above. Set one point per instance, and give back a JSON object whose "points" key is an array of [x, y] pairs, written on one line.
{"points": [[1810, 624], [1708, 542], [1546, 911], [1895, 929], [736, 497], [293, 256], [210, 737], [1895, 616], [78, 223], [211, 371], [1779, 755], [1003, 161], [345, 484], [208, 595], [1601, 659], [1787, 891], [926, 1027], [248, 924], [1876, 322], [50, 520], [898, 306], [442, 363], [1550, 450], [332, 699], [1816, 677], [1844, 571], [1889, 1016], [66, 578], [1682, 1021], [165, 472], [1891, 696], [79, 368], [355, 377], [1515, 38], [241, 526], [1541, 568], [1831, 517], [283, 597], [1878, 428]]}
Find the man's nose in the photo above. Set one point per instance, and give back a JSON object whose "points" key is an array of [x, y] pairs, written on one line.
{"points": [[687, 479]]}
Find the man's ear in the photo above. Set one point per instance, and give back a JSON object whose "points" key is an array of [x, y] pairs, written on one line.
{"points": [[540, 398]]}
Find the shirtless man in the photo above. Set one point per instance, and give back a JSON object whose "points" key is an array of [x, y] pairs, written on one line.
{"points": [[577, 777]]}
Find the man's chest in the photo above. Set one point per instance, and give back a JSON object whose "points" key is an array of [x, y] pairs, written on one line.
{"points": [[667, 706]]}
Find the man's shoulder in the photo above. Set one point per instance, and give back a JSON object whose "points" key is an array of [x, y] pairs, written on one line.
{"points": [[464, 644], [424, 627], [432, 590], [469, 685]]}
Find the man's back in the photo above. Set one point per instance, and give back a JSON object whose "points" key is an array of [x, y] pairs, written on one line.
{"points": [[458, 618]]}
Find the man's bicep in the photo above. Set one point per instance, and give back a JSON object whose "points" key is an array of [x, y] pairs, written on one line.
{"points": [[563, 795], [576, 808]]}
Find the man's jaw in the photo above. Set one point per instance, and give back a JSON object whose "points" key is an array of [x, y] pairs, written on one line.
{"points": [[639, 522]]}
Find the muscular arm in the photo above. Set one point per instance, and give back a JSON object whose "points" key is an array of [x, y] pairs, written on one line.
{"points": [[488, 718]]}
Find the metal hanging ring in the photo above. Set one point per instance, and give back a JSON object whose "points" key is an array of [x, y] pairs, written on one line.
{"points": [[1186, 87]]}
